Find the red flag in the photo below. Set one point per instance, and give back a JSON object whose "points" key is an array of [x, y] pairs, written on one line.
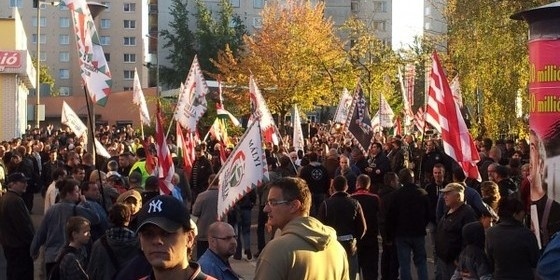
{"points": [[166, 169], [397, 127], [187, 147], [150, 161], [419, 120], [443, 113]]}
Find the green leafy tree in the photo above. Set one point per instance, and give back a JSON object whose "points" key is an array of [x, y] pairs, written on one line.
{"points": [[213, 35], [295, 58], [375, 62], [45, 76], [489, 52], [180, 41]]}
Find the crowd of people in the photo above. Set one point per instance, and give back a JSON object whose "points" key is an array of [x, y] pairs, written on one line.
{"points": [[327, 210]]}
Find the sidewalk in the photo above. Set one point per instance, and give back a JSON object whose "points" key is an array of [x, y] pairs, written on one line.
{"points": [[244, 267]]}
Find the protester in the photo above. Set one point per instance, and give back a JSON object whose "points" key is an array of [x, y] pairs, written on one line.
{"points": [[204, 209], [166, 236], [305, 249], [16, 229], [222, 245], [72, 260]]}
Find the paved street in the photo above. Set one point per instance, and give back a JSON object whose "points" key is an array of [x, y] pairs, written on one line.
{"points": [[246, 268]]}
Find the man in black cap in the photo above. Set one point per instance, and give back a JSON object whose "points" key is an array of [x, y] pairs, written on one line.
{"points": [[166, 237], [16, 229]]}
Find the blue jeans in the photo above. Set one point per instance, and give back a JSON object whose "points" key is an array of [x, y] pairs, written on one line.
{"points": [[416, 246]]}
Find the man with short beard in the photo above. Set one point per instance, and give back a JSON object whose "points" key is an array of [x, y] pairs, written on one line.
{"points": [[222, 245]]}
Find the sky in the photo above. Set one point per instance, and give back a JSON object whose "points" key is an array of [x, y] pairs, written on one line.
{"points": [[407, 21]]}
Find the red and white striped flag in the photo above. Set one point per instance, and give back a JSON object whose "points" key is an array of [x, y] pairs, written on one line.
{"points": [[443, 113], [419, 120], [186, 143], [165, 166]]}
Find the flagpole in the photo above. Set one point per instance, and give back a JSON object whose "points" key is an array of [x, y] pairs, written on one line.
{"points": [[141, 126], [89, 106]]}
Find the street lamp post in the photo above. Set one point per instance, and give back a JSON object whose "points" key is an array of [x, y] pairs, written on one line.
{"points": [[38, 62]]}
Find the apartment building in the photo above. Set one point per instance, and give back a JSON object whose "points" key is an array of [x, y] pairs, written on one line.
{"points": [[122, 29], [376, 13], [435, 24]]}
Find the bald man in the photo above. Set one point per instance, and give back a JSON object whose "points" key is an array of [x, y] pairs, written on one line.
{"points": [[222, 243]]}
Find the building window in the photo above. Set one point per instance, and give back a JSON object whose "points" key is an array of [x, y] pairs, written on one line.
{"points": [[129, 24], [129, 57], [355, 6], [105, 23], [127, 89], [43, 56], [130, 41], [43, 39], [380, 6], [62, 7], [129, 7], [128, 74], [64, 91], [64, 74], [16, 3], [235, 3], [43, 22], [107, 57], [64, 39], [379, 25], [105, 40], [64, 22], [257, 22], [64, 56], [258, 4]]}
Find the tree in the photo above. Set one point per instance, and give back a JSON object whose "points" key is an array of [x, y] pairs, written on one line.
{"points": [[374, 61], [213, 35], [488, 50], [45, 77], [180, 41], [295, 58]]}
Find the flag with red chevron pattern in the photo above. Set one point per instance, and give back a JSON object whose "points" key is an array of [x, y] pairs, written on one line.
{"points": [[93, 65], [244, 170]]}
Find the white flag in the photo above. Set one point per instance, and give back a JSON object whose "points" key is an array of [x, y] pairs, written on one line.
{"points": [[244, 170], [191, 104], [259, 111], [385, 112], [71, 119], [139, 100], [100, 150], [298, 132], [343, 107]]}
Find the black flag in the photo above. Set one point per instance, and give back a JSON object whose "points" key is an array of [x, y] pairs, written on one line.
{"points": [[359, 121]]}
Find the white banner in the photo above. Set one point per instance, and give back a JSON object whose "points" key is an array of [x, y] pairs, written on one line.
{"points": [[71, 119], [139, 100], [343, 108], [244, 170], [298, 144], [191, 104]]}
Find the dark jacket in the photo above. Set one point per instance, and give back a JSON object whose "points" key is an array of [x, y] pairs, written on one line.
{"points": [[16, 228], [512, 250], [473, 260], [449, 238], [317, 178], [409, 213], [379, 162], [344, 214], [370, 206], [386, 195]]}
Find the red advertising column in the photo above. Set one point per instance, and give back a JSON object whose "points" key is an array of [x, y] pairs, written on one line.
{"points": [[543, 189]]}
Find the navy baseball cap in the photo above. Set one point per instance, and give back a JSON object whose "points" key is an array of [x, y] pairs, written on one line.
{"points": [[166, 212]]}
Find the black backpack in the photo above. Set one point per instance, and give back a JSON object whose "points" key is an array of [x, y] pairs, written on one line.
{"points": [[55, 272]]}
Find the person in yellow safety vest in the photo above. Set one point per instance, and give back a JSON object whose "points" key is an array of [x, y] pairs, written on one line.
{"points": [[140, 165]]}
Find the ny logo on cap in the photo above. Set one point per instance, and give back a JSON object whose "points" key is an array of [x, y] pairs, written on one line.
{"points": [[155, 206]]}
